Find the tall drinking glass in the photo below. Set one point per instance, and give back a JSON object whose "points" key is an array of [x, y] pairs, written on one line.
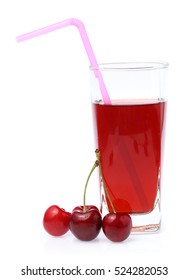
{"points": [[129, 134]]}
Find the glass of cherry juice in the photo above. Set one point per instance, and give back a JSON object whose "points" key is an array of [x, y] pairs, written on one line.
{"points": [[129, 133]]}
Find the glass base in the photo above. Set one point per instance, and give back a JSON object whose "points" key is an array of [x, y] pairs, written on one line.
{"points": [[144, 222], [149, 222]]}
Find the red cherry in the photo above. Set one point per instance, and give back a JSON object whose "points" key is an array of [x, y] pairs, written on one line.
{"points": [[85, 225], [117, 226], [56, 220]]}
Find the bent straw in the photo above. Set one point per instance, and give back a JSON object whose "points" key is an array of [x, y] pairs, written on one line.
{"points": [[86, 42], [94, 64], [139, 190]]}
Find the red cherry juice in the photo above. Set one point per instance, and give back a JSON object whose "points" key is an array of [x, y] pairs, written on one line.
{"points": [[130, 139]]}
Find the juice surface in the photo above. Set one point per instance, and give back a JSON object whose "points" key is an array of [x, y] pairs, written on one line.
{"points": [[130, 139]]}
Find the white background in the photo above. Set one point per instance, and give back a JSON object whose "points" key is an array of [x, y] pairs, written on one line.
{"points": [[46, 135]]}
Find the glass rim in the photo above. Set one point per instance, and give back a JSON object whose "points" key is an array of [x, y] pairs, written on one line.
{"points": [[131, 66]]}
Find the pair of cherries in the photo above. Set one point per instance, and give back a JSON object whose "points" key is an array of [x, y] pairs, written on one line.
{"points": [[85, 222]]}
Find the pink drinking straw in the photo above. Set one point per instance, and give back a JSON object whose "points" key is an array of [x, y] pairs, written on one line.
{"points": [[94, 64], [86, 42]]}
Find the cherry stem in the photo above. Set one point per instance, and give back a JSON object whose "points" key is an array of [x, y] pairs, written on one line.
{"points": [[103, 181], [86, 184]]}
